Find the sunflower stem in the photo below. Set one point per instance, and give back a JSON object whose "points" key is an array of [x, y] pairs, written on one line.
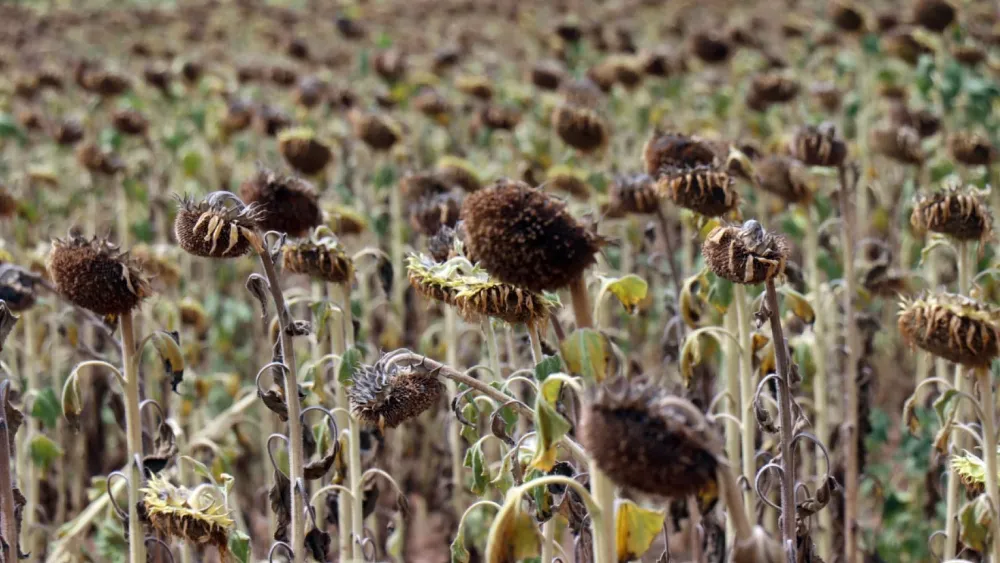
{"points": [[133, 427], [849, 431], [960, 441], [396, 255], [987, 402], [8, 520], [454, 432], [354, 472], [491, 348], [295, 457], [338, 338], [603, 522], [668, 248], [788, 518], [581, 302], [746, 395], [733, 408], [29, 531]]}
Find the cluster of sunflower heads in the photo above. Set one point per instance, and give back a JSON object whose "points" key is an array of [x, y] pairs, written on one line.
{"points": [[688, 172], [198, 516], [953, 327], [475, 294]]}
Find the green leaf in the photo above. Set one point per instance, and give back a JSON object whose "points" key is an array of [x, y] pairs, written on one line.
{"points": [[349, 363], [476, 461], [9, 128], [550, 427], [458, 552], [46, 407], [586, 352], [72, 403], [191, 163], [720, 292], [944, 405], [513, 535], [44, 451], [976, 521], [239, 546], [635, 530], [471, 413], [546, 367], [630, 290]]}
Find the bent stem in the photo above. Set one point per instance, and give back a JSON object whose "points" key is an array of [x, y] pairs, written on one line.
{"points": [[133, 436], [850, 429], [747, 388], [581, 302], [295, 457], [788, 535], [987, 403]]}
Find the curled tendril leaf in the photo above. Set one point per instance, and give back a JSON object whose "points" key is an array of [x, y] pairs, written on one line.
{"points": [[164, 448], [317, 543], [281, 504], [167, 345], [498, 426], [258, 287], [910, 415], [275, 402], [764, 417], [72, 403]]}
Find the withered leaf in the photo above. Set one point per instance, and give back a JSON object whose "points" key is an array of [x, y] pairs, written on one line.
{"points": [[281, 505], [257, 286], [275, 402], [164, 448], [318, 543]]}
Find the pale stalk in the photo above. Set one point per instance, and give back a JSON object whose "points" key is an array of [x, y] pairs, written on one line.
{"points": [[396, 255], [29, 531], [491, 348], [788, 535], [133, 435], [122, 212], [454, 432], [820, 399], [733, 404], [295, 456], [959, 439], [548, 540], [987, 403], [354, 472], [338, 335], [747, 389], [849, 432]]}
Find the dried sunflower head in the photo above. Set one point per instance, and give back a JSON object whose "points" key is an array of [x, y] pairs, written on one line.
{"points": [[344, 220], [580, 128], [959, 212], [194, 315], [68, 132], [784, 177], [130, 122], [416, 186], [95, 275], [320, 257], [770, 88], [901, 144], [211, 229], [818, 146], [669, 151], [376, 131], [476, 86], [846, 17], [566, 179], [745, 254], [431, 103], [923, 121], [286, 204], [199, 516], [429, 214], [901, 43], [442, 245], [239, 115], [710, 47], [498, 117], [97, 161], [525, 237], [647, 440], [704, 189], [953, 327], [971, 149], [387, 395], [635, 193], [303, 152], [933, 15], [548, 74], [458, 172]]}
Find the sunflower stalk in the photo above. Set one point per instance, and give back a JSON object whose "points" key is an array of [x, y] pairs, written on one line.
{"points": [[339, 294], [133, 427], [29, 532], [849, 432], [454, 432], [987, 402], [746, 393], [733, 444], [295, 454]]}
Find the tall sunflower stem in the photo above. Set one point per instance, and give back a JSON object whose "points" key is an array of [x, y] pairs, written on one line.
{"points": [[338, 344], [960, 441], [987, 402], [733, 407], [295, 453], [133, 435], [747, 388], [581, 302], [849, 432], [396, 255], [491, 348], [354, 473], [788, 517], [29, 531], [603, 522], [454, 432]]}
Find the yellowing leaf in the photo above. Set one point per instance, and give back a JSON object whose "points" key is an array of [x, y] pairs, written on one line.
{"points": [[167, 345], [630, 290], [798, 304], [586, 353], [550, 427], [513, 536], [635, 530]]}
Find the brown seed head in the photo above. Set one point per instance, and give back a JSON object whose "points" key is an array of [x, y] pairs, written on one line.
{"points": [[416, 186], [91, 157], [959, 212], [68, 132], [581, 92], [669, 151], [211, 229], [901, 144], [745, 254], [500, 117], [476, 86], [922, 120], [969, 55], [770, 88], [271, 120], [390, 65], [239, 115], [129, 122], [387, 395], [157, 76], [933, 15], [525, 237], [568, 180], [580, 127], [902, 44], [547, 75], [818, 146], [321, 258], [711, 48], [431, 103], [971, 149], [430, 213], [827, 94], [646, 440], [95, 275], [846, 17], [442, 244], [376, 131], [310, 91], [635, 193], [286, 204], [303, 152], [953, 327], [704, 189], [784, 177], [344, 220]]}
